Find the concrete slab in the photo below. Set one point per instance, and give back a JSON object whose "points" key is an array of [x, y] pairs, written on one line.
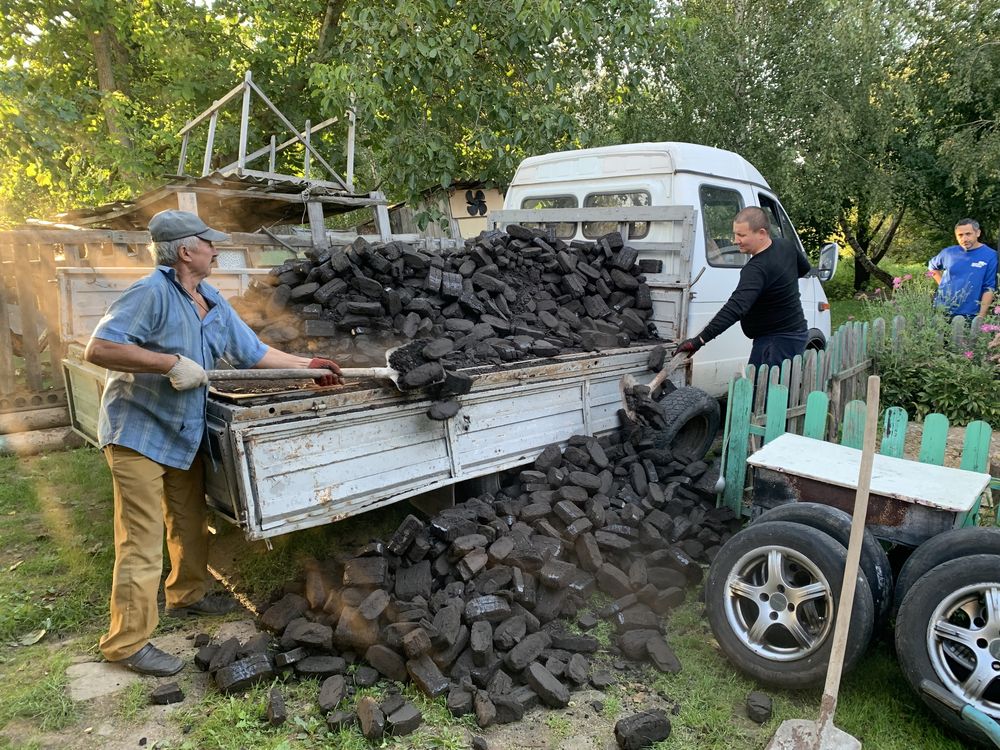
{"points": [[94, 679]]}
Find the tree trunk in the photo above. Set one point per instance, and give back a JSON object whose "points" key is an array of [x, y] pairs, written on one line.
{"points": [[100, 41], [861, 275], [331, 22]]}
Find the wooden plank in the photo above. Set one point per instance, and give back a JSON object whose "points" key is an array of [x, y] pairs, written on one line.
{"points": [[7, 373], [796, 395], [760, 392], [894, 432], [382, 217], [183, 156], [351, 125], [814, 426], [777, 408], [976, 448], [241, 160], [739, 439], [27, 304], [206, 166], [316, 226], [878, 332], [934, 439], [854, 425], [307, 140], [49, 300]]}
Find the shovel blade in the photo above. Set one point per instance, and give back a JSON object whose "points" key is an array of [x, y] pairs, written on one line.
{"points": [[799, 734]]}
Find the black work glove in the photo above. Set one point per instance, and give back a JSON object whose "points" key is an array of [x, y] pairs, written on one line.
{"points": [[690, 345], [319, 363]]}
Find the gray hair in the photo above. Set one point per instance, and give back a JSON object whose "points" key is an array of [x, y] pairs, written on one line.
{"points": [[968, 223], [165, 253]]}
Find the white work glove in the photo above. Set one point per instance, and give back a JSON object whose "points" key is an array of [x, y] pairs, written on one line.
{"points": [[187, 374]]}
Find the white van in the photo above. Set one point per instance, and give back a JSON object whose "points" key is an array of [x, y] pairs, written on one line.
{"points": [[621, 185]]}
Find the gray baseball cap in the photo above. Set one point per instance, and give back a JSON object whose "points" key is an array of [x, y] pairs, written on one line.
{"points": [[174, 225]]}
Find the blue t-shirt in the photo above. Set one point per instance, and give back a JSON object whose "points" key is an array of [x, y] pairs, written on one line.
{"points": [[966, 276], [142, 411]]}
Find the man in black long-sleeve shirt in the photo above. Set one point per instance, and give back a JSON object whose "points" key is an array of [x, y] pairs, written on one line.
{"points": [[766, 302]]}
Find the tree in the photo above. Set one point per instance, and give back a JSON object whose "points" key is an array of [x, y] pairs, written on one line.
{"points": [[449, 89]]}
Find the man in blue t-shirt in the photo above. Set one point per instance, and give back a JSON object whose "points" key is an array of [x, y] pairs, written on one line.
{"points": [[966, 273]]}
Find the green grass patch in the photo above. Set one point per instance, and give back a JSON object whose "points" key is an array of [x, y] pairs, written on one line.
{"points": [[132, 702], [55, 518], [876, 705], [33, 687]]}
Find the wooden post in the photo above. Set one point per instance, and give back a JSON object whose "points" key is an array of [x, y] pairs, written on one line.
{"points": [[244, 124], [206, 166], [308, 140], [27, 305], [49, 300], [382, 217], [183, 156], [316, 226], [7, 385], [352, 118], [272, 158]]}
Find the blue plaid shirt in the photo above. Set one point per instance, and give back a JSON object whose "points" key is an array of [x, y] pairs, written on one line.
{"points": [[144, 412]]}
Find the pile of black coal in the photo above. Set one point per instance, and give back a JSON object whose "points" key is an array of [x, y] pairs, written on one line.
{"points": [[504, 297], [477, 603]]}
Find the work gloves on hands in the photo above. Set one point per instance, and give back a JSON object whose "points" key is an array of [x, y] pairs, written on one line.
{"points": [[690, 345], [318, 363], [187, 374]]}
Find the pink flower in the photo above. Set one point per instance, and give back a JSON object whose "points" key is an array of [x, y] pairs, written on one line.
{"points": [[878, 290], [968, 355], [929, 274], [996, 310], [907, 276], [989, 328], [897, 282]]}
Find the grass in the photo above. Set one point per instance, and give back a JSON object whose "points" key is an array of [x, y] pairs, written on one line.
{"points": [[55, 570]]}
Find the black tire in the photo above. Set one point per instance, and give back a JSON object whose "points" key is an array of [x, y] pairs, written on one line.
{"points": [[961, 594], [692, 422], [837, 523], [737, 584], [948, 545]]}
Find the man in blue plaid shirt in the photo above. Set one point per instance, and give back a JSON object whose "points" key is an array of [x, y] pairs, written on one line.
{"points": [[157, 340]]}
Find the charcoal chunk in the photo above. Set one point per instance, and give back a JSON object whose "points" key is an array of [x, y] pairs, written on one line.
{"points": [[370, 718], [549, 690], [243, 673], [527, 651], [332, 692], [427, 676], [759, 707], [404, 720], [387, 662], [642, 730], [662, 655], [278, 615], [277, 714], [166, 694]]}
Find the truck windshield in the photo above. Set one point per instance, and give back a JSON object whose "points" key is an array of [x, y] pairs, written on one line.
{"points": [[719, 207], [636, 229], [564, 230]]}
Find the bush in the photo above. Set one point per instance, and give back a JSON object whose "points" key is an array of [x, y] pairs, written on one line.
{"points": [[923, 369]]}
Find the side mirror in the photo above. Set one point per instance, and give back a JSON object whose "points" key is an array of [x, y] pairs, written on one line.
{"points": [[828, 258]]}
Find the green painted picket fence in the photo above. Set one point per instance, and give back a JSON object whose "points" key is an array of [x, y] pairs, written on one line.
{"points": [[817, 396]]}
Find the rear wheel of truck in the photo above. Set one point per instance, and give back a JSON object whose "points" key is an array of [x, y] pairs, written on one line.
{"points": [[692, 422], [837, 524], [771, 596], [948, 631]]}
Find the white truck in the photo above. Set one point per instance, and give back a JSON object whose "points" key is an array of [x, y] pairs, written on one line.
{"points": [[583, 194], [303, 458]]}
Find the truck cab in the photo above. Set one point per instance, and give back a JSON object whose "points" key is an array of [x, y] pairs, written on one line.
{"points": [[716, 184]]}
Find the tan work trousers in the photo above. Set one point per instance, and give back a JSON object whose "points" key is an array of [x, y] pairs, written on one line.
{"points": [[147, 494]]}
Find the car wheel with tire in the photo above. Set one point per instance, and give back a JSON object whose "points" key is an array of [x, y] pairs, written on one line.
{"points": [[948, 632], [837, 523], [771, 596], [948, 545], [692, 422]]}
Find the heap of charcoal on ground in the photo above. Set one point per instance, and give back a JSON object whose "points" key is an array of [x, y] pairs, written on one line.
{"points": [[476, 604], [505, 297]]}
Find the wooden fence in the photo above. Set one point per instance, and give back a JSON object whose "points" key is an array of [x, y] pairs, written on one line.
{"points": [[838, 374]]}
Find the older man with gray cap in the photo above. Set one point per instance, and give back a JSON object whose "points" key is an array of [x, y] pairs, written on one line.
{"points": [[157, 340]]}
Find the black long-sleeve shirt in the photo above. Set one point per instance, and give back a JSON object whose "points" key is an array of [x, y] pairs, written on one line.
{"points": [[767, 298]]}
